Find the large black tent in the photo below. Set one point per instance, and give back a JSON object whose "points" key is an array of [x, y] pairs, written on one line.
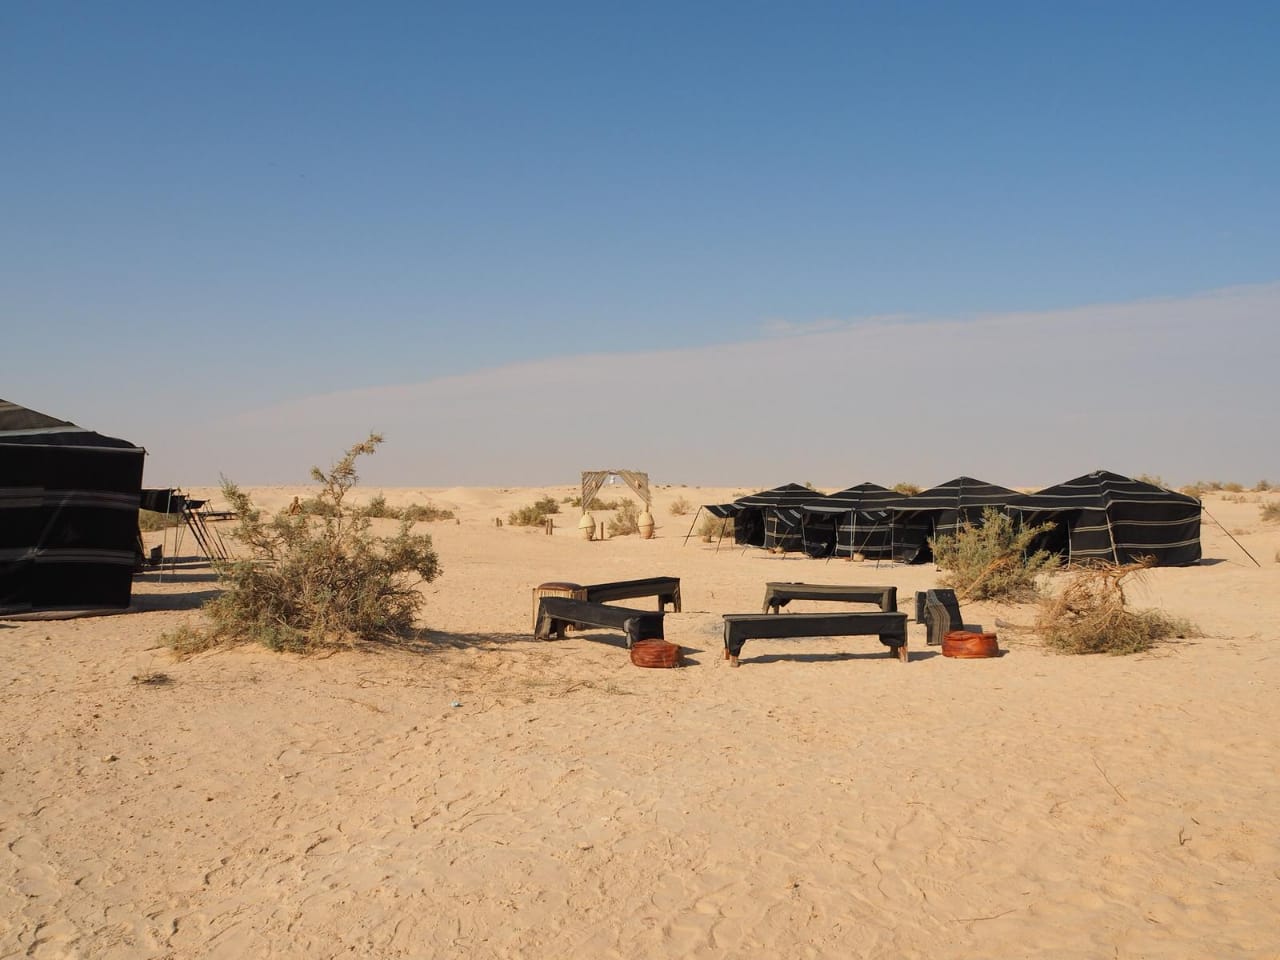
{"points": [[941, 510], [770, 519], [1106, 516], [68, 515], [855, 520]]}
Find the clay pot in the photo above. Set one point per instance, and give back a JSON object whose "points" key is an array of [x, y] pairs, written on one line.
{"points": [[645, 523], [964, 645], [655, 653], [587, 526]]}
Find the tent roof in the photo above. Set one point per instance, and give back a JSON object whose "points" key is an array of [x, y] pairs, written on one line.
{"points": [[960, 492], [863, 497], [787, 495], [1097, 490], [20, 425]]}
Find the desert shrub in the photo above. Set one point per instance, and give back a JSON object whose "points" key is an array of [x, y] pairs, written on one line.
{"points": [[534, 514], [1197, 489], [1233, 487], [990, 561], [906, 489], [1091, 615], [1262, 486], [317, 507], [680, 507], [150, 521], [316, 580], [625, 520], [714, 528], [1151, 478], [1271, 511], [378, 509], [425, 512]]}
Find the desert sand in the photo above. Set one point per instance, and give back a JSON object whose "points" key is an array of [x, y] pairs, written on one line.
{"points": [[502, 797]]}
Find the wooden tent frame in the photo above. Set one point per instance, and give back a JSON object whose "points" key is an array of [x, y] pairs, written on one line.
{"points": [[593, 480]]}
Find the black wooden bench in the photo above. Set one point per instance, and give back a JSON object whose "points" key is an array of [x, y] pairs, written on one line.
{"points": [[891, 628], [556, 613], [778, 595], [666, 589]]}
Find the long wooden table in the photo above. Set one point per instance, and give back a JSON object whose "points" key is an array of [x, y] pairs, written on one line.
{"points": [[778, 595]]}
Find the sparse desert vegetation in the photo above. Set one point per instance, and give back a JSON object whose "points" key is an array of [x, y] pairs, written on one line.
{"points": [[680, 507], [989, 561], [534, 514], [1091, 615], [312, 581]]}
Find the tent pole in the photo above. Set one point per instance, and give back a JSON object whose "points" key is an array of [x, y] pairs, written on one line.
{"points": [[1115, 556], [696, 514], [1233, 539]]}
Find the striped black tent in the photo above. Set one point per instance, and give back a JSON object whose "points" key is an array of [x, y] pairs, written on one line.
{"points": [[1105, 516], [770, 519], [68, 515], [941, 510], [856, 520]]}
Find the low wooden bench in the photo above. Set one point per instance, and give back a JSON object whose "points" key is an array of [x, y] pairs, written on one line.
{"points": [[891, 628], [556, 613], [778, 595], [666, 589]]}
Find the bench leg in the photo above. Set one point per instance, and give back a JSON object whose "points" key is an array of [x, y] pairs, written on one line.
{"points": [[902, 652]]}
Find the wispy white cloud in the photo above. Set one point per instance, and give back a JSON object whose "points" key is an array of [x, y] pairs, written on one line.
{"points": [[1178, 387]]}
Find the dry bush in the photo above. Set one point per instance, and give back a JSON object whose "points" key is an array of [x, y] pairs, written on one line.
{"points": [[378, 509], [316, 581], [680, 507], [534, 514], [1271, 511], [1233, 487], [906, 489], [1091, 615], [1262, 486], [149, 521], [989, 561], [1197, 489], [1151, 478], [713, 528], [625, 520]]}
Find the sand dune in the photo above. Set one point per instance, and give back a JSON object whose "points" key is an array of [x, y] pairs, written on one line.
{"points": [[821, 801]]}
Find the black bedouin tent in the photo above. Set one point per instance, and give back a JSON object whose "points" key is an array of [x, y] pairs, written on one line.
{"points": [[770, 519], [68, 515], [1106, 516], [855, 520], [941, 510]]}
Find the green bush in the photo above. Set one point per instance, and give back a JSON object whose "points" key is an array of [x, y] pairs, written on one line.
{"points": [[316, 580], [990, 561], [535, 514], [626, 519]]}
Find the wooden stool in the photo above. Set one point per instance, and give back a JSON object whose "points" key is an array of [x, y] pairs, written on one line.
{"points": [[556, 588]]}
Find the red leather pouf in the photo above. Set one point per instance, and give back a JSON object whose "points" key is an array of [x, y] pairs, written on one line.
{"points": [[965, 645], [655, 653]]}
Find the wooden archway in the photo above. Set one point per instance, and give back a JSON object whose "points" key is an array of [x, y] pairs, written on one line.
{"points": [[593, 480]]}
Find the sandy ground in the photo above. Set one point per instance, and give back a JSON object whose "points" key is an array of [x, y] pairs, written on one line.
{"points": [[822, 801]]}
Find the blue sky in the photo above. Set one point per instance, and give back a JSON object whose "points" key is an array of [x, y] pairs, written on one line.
{"points": [[209, 213]]}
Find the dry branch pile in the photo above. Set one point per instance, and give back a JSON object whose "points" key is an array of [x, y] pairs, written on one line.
{"points": [[1091, 615]]}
